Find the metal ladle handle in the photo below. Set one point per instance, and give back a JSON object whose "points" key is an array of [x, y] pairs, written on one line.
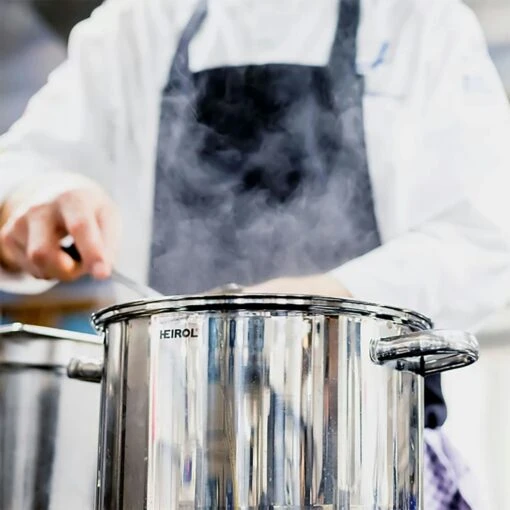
{"points": [[67, 245], [426, 352]]}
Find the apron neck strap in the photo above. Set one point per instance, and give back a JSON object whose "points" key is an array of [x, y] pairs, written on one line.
{"points": [[343, 51], [180, 76], [345, 44]]}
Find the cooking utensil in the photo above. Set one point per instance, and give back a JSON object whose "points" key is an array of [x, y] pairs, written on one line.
{"points": [[249, 401], [48, 422], [142, 290]]}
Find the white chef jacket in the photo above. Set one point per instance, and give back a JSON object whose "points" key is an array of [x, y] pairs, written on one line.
{"points": [[437, 125]]}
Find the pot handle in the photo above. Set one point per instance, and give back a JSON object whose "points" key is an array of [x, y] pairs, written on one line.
{"points": [[426, 352], [89, 371]]}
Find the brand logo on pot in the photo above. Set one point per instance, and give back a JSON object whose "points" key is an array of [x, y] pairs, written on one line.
{"points": [[167, 334]]}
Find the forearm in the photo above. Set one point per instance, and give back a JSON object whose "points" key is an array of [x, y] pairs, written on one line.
{"points": [[455, 269]]}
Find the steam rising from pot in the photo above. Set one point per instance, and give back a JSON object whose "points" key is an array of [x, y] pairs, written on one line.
{"points": [[254, 180]]}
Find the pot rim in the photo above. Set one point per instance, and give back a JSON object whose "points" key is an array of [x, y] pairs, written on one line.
{"points": [[258, 302], [26, 346], [24, 331]]}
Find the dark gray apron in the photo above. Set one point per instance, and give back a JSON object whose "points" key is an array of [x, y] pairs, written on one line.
{"points": [[262, 172]]}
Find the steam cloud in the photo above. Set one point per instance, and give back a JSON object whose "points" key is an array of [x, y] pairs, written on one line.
{"points": [[255, 183]]}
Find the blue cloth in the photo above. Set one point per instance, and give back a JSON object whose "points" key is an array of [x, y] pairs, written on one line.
{"points": [[447, 481]]}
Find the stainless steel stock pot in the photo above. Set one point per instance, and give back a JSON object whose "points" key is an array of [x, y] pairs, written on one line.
{"points": [[248, 402], [48, 423]]}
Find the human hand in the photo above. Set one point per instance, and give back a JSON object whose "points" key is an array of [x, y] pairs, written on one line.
{"points": [[317, 285], [35, 218]]}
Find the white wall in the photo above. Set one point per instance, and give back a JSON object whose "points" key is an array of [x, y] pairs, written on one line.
{"points": [[494, 16]]}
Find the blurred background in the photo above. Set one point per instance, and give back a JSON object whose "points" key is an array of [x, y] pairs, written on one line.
{"points": [[33, 38]]}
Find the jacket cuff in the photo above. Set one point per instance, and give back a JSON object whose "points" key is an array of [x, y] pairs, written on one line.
{"points": [[23, 284]]}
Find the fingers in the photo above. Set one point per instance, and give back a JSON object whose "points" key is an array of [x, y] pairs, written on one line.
{"points": [[79, 214], [43, 248], [30, 243], [12, 244], [109, 224], [14, 257], [30, 240]]}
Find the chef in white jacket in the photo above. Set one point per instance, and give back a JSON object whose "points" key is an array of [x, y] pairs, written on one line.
{"points": [[364, 147]]}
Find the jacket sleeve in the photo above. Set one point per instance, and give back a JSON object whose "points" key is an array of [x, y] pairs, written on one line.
{"points": [[454, 269], [65, 125], [73, 125], [452, 263]]}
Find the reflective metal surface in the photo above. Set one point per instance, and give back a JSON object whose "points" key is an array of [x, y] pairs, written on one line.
{"points": [[48, 423], [263, 402]]}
